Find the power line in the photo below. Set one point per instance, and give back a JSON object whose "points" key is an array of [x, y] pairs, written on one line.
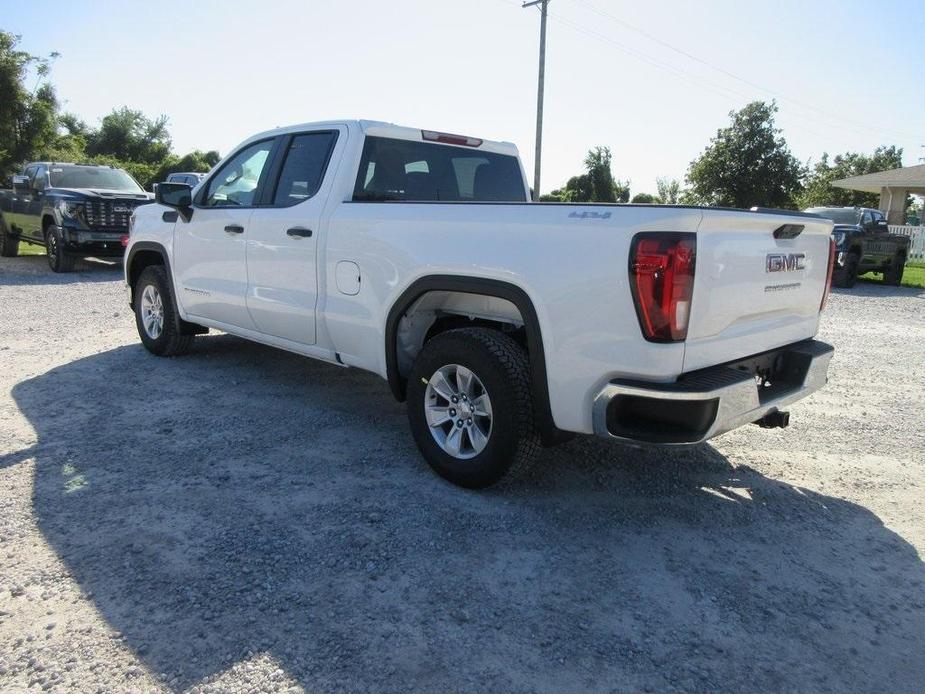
{"points": [[722, 70], [688, 76]]}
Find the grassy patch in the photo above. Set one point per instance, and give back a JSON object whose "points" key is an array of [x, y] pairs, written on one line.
{"points": [[914, 276], [29, 249]]}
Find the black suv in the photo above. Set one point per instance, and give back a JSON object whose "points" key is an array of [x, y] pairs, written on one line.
{"points": [[74, 210], [863, 243]]}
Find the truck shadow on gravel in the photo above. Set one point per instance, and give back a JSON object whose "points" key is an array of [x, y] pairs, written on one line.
{"points": [[243, 501], [34, 270]]}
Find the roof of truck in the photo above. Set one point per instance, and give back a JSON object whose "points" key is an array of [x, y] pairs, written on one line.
{"points": [[383, 129], [66, 163]]}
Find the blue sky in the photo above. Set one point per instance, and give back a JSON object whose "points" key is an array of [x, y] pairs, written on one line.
{"points": [[651, 80]]}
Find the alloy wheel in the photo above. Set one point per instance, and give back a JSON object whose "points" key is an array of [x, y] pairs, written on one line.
{"points": [[458, 411], [152, 312]]}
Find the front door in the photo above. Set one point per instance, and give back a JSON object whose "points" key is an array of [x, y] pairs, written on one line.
{"points": [[209, 257], [26, 213], [282, 240]]}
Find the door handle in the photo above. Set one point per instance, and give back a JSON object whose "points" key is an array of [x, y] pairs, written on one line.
{"points": [[300, 232], [234, 229]]}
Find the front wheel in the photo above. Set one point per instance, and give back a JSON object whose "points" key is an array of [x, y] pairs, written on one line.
{"points": [[847, 275], [470, 407], [155, 316], [58, 259], [9, 244]]}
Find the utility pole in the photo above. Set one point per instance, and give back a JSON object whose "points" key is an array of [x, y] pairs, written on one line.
{"points": [[539, 95]]}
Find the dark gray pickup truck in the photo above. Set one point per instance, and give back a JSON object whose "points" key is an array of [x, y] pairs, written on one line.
{"points": [[863, 243], [73, 210]]}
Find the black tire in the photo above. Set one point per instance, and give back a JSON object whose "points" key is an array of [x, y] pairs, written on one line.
{"points": [[171, 341], [58, 259], [9, 244], [893, 276], [503, 368], [847, 275]]}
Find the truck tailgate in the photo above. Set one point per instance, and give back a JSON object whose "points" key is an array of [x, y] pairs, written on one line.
{"points": [[754, 292]]}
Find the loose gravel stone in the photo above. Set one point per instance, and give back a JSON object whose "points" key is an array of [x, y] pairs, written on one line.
{"points": [[212, 523]]}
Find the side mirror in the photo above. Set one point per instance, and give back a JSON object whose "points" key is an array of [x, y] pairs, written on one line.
{"points": [[178, 195], [881, 225], [21, 183]]}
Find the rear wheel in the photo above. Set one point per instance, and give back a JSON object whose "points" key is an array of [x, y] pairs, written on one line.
{"points": [[471, 409], [847, 275], [894, 274], [159, 326], [9, 244], [58, 259]]}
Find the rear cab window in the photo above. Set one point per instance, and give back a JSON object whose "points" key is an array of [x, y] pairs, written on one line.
{"points": [[394, 169]]}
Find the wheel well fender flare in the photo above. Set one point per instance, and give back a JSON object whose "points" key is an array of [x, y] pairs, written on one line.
{"points": [[48, 220], [485, 287], [131, 274]]}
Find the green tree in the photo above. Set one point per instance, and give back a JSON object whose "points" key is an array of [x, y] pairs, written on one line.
{"points": [[669, 190], [131, 136], [819, 190], [747, 163], [601, 183], [27, 117], [596, 185], [645, 199]]}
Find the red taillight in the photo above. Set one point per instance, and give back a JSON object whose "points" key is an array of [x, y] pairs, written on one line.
{"points": [[124, 241], [828, 274], [662, 282], [448, 139]]}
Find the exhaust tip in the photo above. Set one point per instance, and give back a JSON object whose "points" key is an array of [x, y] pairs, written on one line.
{"points": [[774, 420]]}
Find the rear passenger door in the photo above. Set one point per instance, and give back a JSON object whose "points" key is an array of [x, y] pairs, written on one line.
{"points": [[868, 241], [36, 203], [283, 236]]}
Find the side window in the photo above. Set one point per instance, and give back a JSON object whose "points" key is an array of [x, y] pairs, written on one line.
{"points": [[30, 174], [40, 182], [865, 220], [236, 183], [303, 170], [878, 216]]}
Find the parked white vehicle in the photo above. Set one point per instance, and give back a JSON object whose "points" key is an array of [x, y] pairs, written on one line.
{"points": [[504, 323]]}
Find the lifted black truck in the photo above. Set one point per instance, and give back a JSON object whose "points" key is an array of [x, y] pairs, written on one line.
{"points": [[73, 210], [863, 243]]}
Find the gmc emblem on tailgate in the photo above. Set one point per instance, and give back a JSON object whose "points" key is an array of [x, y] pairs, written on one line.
{"points": [[785, 262]]}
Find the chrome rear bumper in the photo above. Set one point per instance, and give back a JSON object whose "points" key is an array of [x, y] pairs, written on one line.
{"points": [[706, 403]]}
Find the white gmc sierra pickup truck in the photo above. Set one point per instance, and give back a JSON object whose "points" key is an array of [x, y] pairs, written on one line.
{"points": [[505, 324]]}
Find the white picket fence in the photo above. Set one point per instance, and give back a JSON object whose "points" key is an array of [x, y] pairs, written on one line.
{"points": [[917, 247]]}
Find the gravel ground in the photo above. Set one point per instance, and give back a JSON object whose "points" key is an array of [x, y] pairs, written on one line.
{"points": [[242, 519]]}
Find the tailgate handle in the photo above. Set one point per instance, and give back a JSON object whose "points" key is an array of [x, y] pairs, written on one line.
{"points": [[788, 231], [234, 229], [300, 232]]}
